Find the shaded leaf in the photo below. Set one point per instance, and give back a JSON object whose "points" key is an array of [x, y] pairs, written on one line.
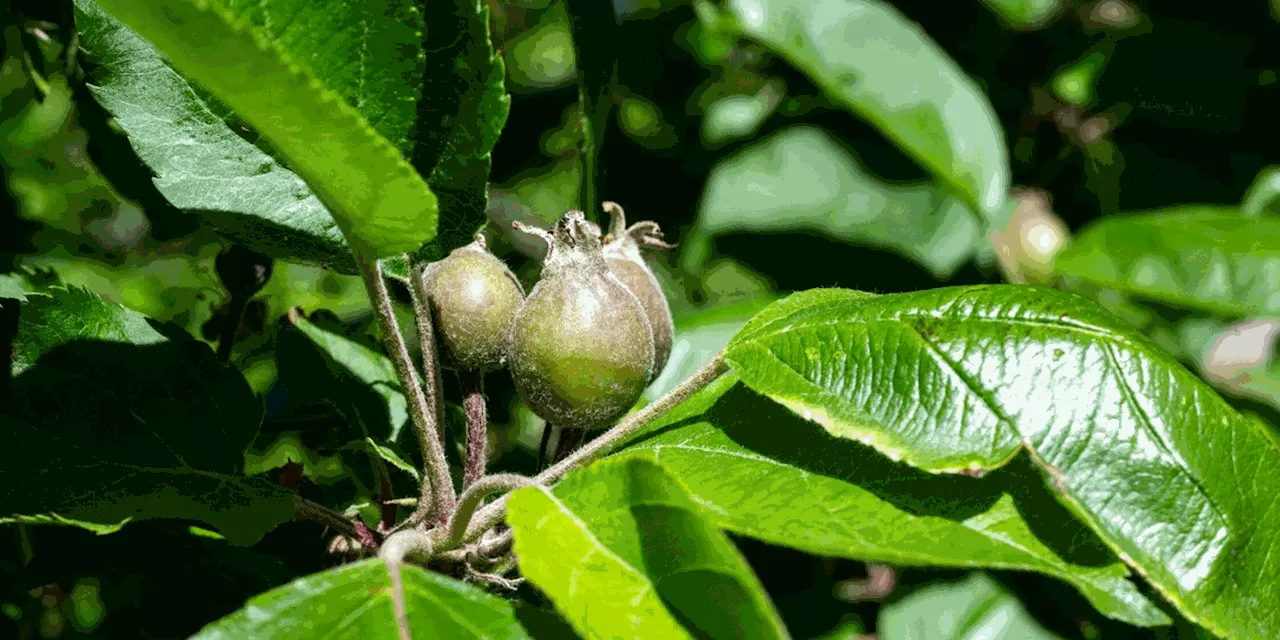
{"points": [[595, 44], [700, 334], [1195, 256], [763, 472], [974, 608], [380, 203], [464, 107], [1166, 472], [617, 540], [875, 62], [114, 423], [800, 179], [354, 601], [318, 365]]}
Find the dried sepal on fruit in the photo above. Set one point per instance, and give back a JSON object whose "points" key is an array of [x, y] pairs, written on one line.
{"points": [[581, 349], [622, 253], [473, 298]]}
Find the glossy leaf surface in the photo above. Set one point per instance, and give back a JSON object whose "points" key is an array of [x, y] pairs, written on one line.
{"points": [[354, 601], [872, 60], [114, 421], [766, 473], [623, 551], [963, 379], [380, 203], [1197, 256]]}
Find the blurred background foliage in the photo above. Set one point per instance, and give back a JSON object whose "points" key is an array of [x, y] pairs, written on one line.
{"points": [[769, 183]]}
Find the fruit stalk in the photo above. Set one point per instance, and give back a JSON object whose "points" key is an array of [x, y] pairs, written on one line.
{"points": [[427, 344], [477, 428], [436, 474]]}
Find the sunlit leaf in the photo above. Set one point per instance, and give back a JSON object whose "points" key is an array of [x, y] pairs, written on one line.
{"points": [[354, 601], [951, 380], [623, 551]]}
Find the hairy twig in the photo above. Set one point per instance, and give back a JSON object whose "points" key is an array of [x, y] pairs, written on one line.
{"points": [[427, 343], [473, 403], [317, 512], [494, 512], [425, 419], [477, 492]]}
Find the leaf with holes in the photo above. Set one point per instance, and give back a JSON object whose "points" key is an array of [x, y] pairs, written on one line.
{"points": [[354, 601], [1172, 478], [623, 551]]}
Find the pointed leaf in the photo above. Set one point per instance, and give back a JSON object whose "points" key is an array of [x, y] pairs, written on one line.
{"points": [[617, 540], [115, 423], [799, 179], [380, 203], [871, 59], [974, 608], [464, 107], [354, 601], [1166, 472], [763, 472], [1196, 256]]}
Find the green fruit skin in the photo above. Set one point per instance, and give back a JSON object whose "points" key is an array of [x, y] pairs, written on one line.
{"points": [[642, 282], [474, 298], [581, 350]]}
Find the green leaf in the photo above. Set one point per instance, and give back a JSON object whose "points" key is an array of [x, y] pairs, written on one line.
{"points": [[354, 601], [875, 62], [1026, 14], [616, 541], [765, 473], [962, 379], [595, 44], [1195, 256], [59, 315], [1263, 196], [1238, 358], [380, 203], [463, 109], [113, 422], [799, 179], [974, 608], [369, 52], [318, 365], [233, 185]]}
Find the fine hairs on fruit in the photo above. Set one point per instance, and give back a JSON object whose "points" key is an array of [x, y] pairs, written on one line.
{"points": [[622, 253], [580, 349], [473, 297]]}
